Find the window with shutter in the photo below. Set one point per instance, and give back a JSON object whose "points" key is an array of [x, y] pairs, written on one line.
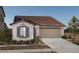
{"points": [[22, 31], [27, 31], [18, 31]]}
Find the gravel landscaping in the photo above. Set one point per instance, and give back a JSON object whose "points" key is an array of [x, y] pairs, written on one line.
{"points": [[15, 47], [31, 48]]}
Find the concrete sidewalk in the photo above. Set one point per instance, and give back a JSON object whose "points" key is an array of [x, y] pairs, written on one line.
{"points": [[61, 45], [28, 51]]}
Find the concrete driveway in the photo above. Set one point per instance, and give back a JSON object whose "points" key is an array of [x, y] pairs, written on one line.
{"points": [[61, 45]]}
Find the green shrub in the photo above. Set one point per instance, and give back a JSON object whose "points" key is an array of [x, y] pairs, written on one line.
{"points": [[9, 34], [6, 36], [2, 36], [13, 42], [27, 42], [64, 37], [35, 40], [20, 42], [69, 37]]}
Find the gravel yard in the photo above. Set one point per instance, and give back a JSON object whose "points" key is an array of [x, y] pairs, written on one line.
{"points": [[14, 47], [32, 48]]}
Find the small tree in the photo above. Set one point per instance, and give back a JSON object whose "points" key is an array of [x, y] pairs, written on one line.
{"points": [[68, 30], [6, 36], [73, 26], [2, 35]]}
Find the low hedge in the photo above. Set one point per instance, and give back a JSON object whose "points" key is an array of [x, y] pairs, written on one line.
{"points": [[20, 42], [64, 37], [6, 37], [32, 41]]}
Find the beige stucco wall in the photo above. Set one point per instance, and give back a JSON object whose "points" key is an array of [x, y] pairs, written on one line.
{"points": [[37, 30], [62, 30], [14, 31]]}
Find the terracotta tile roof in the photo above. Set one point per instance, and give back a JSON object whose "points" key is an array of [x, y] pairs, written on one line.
{"points": [[40, 20]]}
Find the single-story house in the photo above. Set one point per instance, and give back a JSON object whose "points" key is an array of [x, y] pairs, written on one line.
{"points": [[28, 27]]}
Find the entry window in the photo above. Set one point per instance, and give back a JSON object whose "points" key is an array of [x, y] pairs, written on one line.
{"points": [[23, 31]]}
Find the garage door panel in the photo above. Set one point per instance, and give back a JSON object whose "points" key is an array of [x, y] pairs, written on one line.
{"points": [[50, 33]]}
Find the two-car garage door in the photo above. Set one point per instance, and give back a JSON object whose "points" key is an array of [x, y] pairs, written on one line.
{"points": [[50, 33]]}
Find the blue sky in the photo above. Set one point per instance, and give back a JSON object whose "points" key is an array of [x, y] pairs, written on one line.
{"points": [[61, 13]]}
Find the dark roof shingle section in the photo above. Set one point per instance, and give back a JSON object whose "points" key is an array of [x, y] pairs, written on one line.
{"points": [[40, 20], [2, 10]]}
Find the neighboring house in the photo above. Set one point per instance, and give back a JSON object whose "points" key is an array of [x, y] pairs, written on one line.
{"points": [[28, 27], [2, 16]]}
